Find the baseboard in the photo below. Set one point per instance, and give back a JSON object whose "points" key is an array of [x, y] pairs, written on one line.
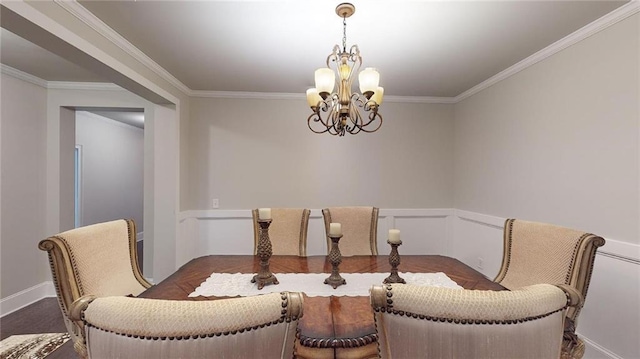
{"points": [[593, 350], [28, 296]]}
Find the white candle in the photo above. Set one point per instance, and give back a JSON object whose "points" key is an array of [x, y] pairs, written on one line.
{"points": [[394, 236], [335, 229], [264, 213]]}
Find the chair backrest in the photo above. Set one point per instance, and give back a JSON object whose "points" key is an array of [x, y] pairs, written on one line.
{"points": [[544, 253], [99, 259], [262, 326], [287, 231], [431, 322], [359, 229]]}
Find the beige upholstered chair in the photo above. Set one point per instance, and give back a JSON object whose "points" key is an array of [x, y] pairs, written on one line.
{"points": [[287, 231], [99, 259], [262, 326], [544, 253], [432, 322], [359, 229]]}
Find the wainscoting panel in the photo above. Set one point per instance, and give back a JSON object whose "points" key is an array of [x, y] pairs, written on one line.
{"points": [[610, 320], [225, 236], [316, 239], [611, 315], [423, 231], [478, 241]]}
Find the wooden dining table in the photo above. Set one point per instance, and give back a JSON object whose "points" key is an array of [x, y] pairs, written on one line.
{"points": [[331, 326]]}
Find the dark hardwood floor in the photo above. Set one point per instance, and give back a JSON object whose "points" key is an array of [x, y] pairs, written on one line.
{"points": [[44, 316]]}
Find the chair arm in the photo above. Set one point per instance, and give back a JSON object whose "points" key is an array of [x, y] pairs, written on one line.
{"points": [[79, 306], [574, 297]]}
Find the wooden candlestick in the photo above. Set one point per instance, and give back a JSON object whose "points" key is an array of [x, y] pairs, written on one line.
{"points": [[394, 260], [264, 276], [335, 257]]}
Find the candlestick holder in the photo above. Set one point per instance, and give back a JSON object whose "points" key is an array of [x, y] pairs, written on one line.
{"points": [[335, 257], [264, 276], [394, 260]]}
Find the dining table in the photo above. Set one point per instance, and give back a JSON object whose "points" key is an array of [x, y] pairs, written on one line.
{"points": [[331, 326]]}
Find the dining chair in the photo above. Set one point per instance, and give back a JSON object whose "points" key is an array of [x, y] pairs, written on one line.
{"points": [[432, 322], [262, 326], [99, 259], [544, 253], [287, 231], [359, 229]]}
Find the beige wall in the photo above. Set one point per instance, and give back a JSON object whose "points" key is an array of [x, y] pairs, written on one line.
{"points": [[558, 142], [23, 185], [252, 153]]}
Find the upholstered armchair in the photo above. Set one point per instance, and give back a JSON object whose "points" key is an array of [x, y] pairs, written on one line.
{"points": [[262, 326], [359, 229], [287, 231], [544, 253], [99, 259], [432, 322]]}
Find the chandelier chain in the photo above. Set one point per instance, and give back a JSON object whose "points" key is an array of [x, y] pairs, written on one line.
{"points": [[344, 34]]}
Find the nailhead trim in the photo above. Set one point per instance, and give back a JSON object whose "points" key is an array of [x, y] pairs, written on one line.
{"points": [[282, 319]]}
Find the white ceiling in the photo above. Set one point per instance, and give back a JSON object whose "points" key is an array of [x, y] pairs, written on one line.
{"points": [[421, 48]]}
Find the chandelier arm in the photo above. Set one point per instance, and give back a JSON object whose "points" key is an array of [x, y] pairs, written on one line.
{"points": [[367, 106], [323, 106], [333, 56], [356, 120]]}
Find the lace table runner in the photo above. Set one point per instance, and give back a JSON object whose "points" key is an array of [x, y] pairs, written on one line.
{"points": [[312, 284]]}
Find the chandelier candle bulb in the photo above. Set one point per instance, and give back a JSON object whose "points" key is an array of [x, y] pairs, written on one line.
{"points": [[377, 95], [313, 98], [394, 236], [369, 79], [264, 213], [335, 229], [325, 80]]}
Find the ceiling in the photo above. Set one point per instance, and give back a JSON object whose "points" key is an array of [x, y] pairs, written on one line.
{"points": [[421, 48]]}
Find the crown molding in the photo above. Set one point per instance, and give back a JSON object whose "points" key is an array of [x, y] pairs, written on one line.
{"points": [[248, 95], [84, 15], [419, 99], [594, 27], [8, 70], [65, 85], [301, 96], [87, 17]]}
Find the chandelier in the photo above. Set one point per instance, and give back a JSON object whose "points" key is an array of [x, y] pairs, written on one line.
{"points": [[345, 111]]}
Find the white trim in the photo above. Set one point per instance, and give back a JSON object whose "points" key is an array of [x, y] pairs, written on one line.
{"points": [[248, 95], [139, 236], [38, 18], [483, 219], [87, 17], [66, 85], [301, 96], [598, 25], [416, 212], [315, 213], [10, 71], [419, 99], [625, 251], [26, 297], [78, 176], [601, 351]]}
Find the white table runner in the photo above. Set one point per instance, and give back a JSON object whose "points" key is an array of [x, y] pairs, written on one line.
{"points": [[312, 284]]}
